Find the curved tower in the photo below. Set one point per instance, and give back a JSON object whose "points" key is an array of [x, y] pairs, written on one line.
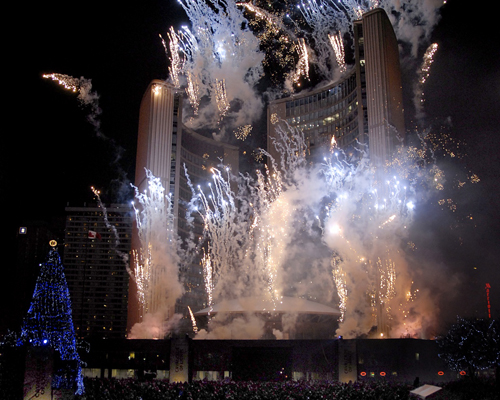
{"points": [[377, 50], [364, 106]]}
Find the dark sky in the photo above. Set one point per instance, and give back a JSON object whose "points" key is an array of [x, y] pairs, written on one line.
{"points": [[464, 87], [51, 155]]}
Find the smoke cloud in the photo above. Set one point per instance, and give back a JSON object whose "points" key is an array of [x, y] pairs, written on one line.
{"points": [[156, 262], [89, 101], [340, 232]]}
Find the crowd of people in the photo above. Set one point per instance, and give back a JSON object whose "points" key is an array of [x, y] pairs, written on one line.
{"points": [[131, 389], [134, 389]]}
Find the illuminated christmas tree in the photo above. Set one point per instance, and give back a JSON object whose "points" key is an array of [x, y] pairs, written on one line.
{"points": [[49, 323], [471, 345]]}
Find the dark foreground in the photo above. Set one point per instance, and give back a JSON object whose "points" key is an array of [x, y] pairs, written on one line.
{"points": [[128, 389]]}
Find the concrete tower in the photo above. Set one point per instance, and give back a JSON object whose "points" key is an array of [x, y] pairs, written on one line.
{"points": [[377, 51]]}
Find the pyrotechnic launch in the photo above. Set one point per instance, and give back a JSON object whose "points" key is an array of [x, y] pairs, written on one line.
{"points": [[321, 226], [325, 221]]}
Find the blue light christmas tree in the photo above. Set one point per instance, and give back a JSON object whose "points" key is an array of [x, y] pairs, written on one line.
{"points": [[49, 322], [471, 345]]}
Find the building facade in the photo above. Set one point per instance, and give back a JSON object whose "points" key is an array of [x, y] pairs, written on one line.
{"points": [[372, 360], [96, 244], [364, 107]]}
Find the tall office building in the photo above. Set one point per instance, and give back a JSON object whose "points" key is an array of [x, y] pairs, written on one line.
{"points": [[164, 147], [95, 270], [365, 106]]}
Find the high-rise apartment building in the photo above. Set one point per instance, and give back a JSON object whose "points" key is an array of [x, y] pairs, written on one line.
{"points": [[365, 106], [166, 147], [96, 245]]}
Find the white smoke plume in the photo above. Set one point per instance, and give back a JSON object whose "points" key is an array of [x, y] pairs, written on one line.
{"points": [[86, 97], [154, 326], [338, 232], [223, 326], [89, 100], [221, 61], [156, 262]]}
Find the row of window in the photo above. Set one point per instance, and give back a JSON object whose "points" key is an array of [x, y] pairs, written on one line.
{"points": [[323, 99]]}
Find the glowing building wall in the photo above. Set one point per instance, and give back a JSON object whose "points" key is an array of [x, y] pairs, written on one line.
{"points": [[156, 152], [331, 111], [156, 144], [384, 98], [165, 147]]}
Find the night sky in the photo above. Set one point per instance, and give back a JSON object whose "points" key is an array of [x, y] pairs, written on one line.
{"points": [[51, 154]]}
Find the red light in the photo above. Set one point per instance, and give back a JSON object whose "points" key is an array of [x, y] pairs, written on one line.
{"points": [[440, 373], [363, 373], [462, 373], [382, 373], [488, 287]]}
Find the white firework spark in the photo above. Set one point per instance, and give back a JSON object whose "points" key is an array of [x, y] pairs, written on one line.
{"points": [[423, 75], [156, 262], [219, 47], [338, 48], [175, 67]]}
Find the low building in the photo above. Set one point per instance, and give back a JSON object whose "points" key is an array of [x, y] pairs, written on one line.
{"points": [[392, 360]]}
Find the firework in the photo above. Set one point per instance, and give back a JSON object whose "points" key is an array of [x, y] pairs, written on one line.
{"points": [[302, 69], [193, 92], [252, 249], [193, 321], [157, 261], [221, 97], [242, 132], [68, 82], [423, 75], [175, 67], [338, 47], [86, 96], [217, 47]]}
